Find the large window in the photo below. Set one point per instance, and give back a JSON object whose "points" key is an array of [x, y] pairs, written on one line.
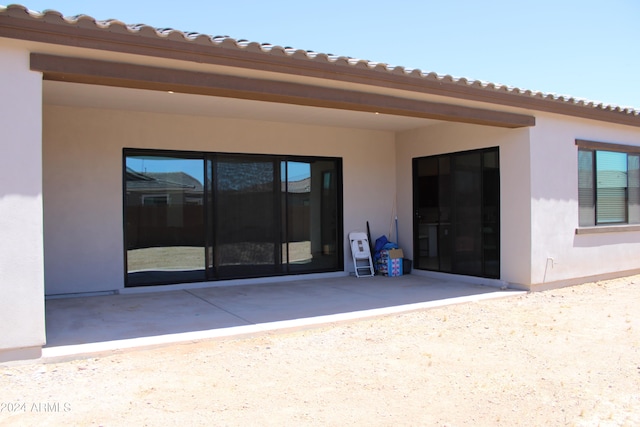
{"points": [[608, 184], [193, 217]]}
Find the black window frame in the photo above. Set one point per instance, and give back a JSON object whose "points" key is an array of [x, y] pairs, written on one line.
{"points": [[449, 218], [210, 200]]}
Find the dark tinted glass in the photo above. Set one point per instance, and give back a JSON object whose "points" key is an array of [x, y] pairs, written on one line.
{"points": [[491, 213], [428, 212], [467, 196], [311, 214], [457, 213], [206, 216], [164, 219], [246, 231]]}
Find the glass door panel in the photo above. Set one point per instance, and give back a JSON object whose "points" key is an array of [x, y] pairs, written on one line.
{"points": [[445, 213], [164, 198], [457, 213], [491, 213], [298, 195], [427, 214], [247, 227], [467, 199], [310, 214], [329, 223]]}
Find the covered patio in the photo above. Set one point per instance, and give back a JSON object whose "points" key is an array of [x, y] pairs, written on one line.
{"points": [[87, 325]]}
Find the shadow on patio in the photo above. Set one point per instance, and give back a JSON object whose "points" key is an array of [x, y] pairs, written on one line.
{"points": [[232, 310]]}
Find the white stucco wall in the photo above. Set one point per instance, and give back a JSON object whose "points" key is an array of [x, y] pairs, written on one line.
{"points": [[83, 179], [515, 184], [558, 254], [21, 247]]}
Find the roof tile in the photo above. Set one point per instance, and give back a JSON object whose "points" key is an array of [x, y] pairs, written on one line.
{"points": [[115, 26]]}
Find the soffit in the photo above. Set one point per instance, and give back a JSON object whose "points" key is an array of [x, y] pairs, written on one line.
{"points": [[118, 74], [118, 98]]}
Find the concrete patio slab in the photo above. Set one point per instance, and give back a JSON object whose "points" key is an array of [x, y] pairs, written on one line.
{"points": [[113, 317], [96, 324]]}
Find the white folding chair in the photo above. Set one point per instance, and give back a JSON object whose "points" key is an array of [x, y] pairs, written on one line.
{"points": [[361, 253]]}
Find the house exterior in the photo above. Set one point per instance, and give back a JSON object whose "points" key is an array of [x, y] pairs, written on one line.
{"points": [[141, 157]]}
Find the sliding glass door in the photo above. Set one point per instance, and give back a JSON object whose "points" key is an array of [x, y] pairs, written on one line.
{"points": [[310, 215], [457, 213], [205, 216], [164, 214], [245, 212]]}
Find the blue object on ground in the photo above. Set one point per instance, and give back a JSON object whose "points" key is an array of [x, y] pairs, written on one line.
{"points": [[381, 244]]}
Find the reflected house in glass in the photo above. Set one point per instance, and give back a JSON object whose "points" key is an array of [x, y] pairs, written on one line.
{"points": [[163, 210], [135, 156], [300, 207], [235, 224]]}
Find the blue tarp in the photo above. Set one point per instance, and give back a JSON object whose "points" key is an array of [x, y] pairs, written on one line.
{"points": [[381, 244]]}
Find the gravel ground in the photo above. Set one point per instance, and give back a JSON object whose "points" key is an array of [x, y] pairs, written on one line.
{"points": [[562, 357]]}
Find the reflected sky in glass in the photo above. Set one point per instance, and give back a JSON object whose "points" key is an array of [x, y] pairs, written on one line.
{"points": [[297, 171], [192, 167], [612, 169]]}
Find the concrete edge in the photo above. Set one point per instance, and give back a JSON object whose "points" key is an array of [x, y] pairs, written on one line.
{"points": [[79, 351], [473, 280]]}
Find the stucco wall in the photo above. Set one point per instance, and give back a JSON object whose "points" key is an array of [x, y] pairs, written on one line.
{"points": [[557, 252], [514, 184], [21, 266], [538, 167], [83, 179]]}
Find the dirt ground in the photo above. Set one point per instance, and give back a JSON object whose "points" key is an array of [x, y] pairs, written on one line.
{"points": [[561, 357]]}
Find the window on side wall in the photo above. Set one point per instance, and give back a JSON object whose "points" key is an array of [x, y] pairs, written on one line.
{"points": [[608, 184]]}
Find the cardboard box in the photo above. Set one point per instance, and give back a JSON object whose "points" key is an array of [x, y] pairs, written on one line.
{"points": [[389, 264], [396, 253]]}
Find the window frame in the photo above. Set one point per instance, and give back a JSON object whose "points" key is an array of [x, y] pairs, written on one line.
{"points": [[447, 210], [209, 204], [595, 227]]}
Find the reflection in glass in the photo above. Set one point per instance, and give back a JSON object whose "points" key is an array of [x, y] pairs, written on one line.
{"points": [[611, 187], [197, 216], [634, 188], [164, 219], [311, 215], [246, 230], [297, 187], [586, 194]]}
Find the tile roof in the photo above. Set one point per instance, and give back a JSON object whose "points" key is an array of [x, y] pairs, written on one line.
{"points": [[162, 180], [115, 26]]}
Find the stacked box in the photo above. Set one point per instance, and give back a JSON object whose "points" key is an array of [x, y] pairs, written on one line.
{"points": [[389, 264]]}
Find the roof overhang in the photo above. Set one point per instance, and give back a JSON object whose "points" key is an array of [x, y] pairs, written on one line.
{"points": [[84, 32], [89, 71]]}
